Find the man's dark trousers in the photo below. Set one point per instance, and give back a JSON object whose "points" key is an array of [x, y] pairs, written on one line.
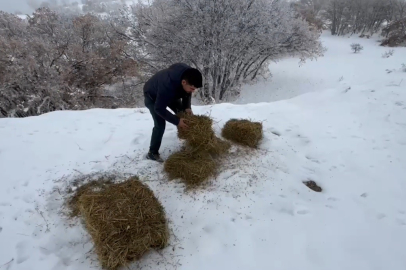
{"points": [[159, 123]]}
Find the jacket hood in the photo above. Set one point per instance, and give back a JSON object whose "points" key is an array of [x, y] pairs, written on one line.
{"points": [[176, 71]]}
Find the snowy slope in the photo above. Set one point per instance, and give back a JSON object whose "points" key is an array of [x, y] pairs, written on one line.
{"points": [[338, 68], [256, 215]]}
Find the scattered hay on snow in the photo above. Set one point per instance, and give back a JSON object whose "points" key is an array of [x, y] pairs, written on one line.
{"points": [[125, 220], [244, 132], [219, 147]]}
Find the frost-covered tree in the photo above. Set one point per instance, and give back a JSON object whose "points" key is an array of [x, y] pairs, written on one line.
{"points": [[395, 33], [30, 61], [97, 57], [230, 41], [54, 62], [311, 10], [357, 16], [398, 9], [363, 17]]}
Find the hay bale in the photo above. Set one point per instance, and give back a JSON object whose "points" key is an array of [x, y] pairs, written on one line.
{"points": [[200, 136], [198, 161], [192, 167], [125, 221], [199, 132], [244, 132]]}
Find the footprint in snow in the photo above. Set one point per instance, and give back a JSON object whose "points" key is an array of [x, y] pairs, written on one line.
{"points": [[65, 261], [286, 210], [274, 131], [22, 254], [207, 229], [332, 199], [136, 140], [304, 139], [401, 222], [302, 212], [28, 198], [45, 251], [312, 159], [380, 216]]}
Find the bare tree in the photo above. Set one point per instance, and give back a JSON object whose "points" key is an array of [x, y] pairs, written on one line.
{"points": [[398, 9], [395, 33], [311, 10], [98, 57], [357, 16]]}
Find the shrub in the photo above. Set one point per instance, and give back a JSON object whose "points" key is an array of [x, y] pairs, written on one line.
{"points": [[388, 54], [395, 33], [356, 47]]}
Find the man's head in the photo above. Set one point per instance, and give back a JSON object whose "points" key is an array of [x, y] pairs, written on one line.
{"points": [[191, 80]]}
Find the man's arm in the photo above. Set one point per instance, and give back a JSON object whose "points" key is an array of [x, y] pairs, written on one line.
{"points": [[161, 104]]}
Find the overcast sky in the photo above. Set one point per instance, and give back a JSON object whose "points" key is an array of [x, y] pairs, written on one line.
{"points": [[12, 6]]}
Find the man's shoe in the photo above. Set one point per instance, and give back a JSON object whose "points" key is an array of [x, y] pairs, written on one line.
{"points": [[154, 157]]}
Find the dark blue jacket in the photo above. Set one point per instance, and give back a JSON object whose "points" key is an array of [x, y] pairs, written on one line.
{"points": [[165, 87]]}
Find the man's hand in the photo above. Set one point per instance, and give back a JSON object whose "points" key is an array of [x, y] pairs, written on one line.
{"points": [[182, 123], [189, 111]]}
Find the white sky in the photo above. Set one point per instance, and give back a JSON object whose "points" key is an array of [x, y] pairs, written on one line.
{"points": [[13, 5], [22, 5]]}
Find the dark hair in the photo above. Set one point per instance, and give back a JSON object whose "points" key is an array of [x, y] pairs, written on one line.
{"points": [[193, 77]]}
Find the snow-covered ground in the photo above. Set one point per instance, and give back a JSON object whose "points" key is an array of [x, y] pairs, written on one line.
{"points": [[338, 69], [349, 136]]}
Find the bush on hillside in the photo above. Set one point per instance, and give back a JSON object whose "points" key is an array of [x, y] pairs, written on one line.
{"points": [[356, 47], [388, 54], [347, 17], [56, 62], [395, 33]]}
